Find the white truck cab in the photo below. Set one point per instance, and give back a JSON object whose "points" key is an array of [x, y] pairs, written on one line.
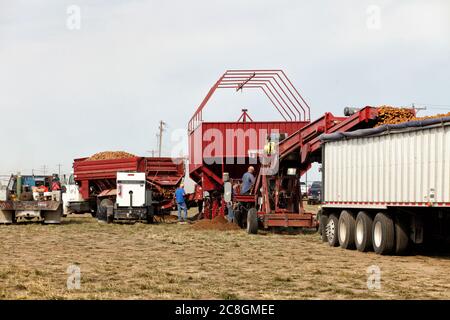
{"points": [[73, 202]]}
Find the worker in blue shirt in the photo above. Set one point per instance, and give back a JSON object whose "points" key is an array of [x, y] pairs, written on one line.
{"points": [[181, 203], [248, 180]]}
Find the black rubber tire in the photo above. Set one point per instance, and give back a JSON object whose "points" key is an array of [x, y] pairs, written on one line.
{"points": [[365, 222], [241, 219], [346, 230], [401, 236], [323, 220], [331, 230], [318, 215], [383, 224], [252, 221], [102, 210], [237, 218], [110, 218]]}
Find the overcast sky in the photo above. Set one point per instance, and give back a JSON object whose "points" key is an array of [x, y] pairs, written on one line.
{"points": [[68, 93]]}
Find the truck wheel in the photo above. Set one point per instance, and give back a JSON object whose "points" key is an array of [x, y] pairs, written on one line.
{"points": [[331, 230], [383, 234], [252, 221], [401, 236], [102, 210], [363, 232], [323, 220], [318, 215], [346, 230]]}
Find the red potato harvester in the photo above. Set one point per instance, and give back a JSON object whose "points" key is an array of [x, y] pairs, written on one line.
{"points": [[221, 152]]}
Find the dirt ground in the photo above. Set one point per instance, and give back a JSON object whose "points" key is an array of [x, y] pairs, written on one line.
{"points": [[177, 261]]}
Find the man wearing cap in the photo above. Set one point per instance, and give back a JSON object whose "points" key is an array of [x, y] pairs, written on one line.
{"points": [[181, 203], [247, 181]]}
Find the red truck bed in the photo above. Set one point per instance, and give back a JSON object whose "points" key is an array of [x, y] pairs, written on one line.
{"points": [[94, 177]]}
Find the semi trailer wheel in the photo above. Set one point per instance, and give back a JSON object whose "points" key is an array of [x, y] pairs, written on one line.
{"points": [[331, 230], [323, 220], [363, 232], [383, 234], [252, 221], [346, 230], [401, 236]]}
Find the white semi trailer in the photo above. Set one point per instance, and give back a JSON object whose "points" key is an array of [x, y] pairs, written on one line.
{"points": [[388, 187]]}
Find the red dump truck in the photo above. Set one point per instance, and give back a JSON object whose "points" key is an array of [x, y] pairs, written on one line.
{"points": [[96, 184]]}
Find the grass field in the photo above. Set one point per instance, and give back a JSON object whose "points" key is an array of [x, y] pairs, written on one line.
{"points": [[174, 261]]}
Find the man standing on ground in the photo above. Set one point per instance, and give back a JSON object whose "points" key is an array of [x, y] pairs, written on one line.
{"points": [[181, 203], [248, 180]]}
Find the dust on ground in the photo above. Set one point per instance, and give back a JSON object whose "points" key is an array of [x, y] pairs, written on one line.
{"points": [[178, 261]]}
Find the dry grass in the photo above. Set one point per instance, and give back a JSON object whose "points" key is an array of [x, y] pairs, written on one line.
{"points": [[172, 261]]}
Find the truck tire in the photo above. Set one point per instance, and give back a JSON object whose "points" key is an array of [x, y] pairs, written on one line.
{"points": [[323, 220], [252, 221], [102, 210], [383, 234], [318, 215], [346, 230], [331, 230], [363, 232], [401, 236]]}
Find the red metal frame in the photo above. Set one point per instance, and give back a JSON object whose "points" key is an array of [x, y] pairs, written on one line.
{"points": [[275, 85]]}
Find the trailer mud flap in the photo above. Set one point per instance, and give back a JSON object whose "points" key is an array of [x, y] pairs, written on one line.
{"points": [[6, 217], [417, 229]]}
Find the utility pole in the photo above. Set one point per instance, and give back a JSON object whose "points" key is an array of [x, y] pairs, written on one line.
{"points": [[152, 152], [44, 169], [59, 169], [162, 124]]}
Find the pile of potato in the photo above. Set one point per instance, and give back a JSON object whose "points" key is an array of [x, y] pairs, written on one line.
{"points": [[110, 155], [392, 115]]}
